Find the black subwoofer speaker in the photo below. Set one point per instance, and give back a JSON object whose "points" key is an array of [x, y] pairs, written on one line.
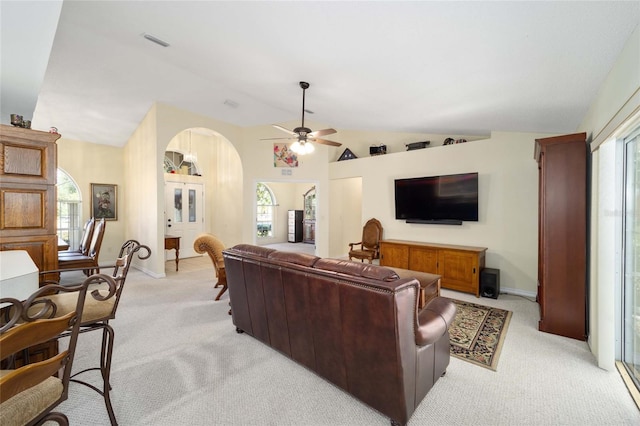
{"points": [[490, 283]]}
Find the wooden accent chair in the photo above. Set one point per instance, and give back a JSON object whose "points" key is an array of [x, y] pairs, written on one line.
{"points": [[100, 307], [88, 262], [30, 393], [207, 243], [83, 248], [370, 243]]}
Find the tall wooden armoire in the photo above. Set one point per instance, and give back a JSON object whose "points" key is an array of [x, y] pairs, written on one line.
{"points": [[562, 235], [28, 167]]}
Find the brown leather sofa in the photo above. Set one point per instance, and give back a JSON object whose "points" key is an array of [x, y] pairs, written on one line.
{"points": [[356, 325]]}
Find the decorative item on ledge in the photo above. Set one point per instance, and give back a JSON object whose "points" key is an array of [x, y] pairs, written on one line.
{"points": [[17, 121], [417, 145], [451, 141], [347, 155], [377, 149]]}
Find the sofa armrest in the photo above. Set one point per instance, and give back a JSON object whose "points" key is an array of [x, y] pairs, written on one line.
{"points": [[434, 320]]}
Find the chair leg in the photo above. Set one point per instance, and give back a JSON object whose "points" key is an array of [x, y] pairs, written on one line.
{"points": [[108, 335], [224, 288], [106, 352], [56, 417]]}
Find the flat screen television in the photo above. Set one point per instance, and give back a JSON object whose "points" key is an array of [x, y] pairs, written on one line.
{"points": [[448, 199]]}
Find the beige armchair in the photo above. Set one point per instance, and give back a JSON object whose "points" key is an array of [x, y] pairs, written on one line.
{"points": [[207, 243], [370, 243]]}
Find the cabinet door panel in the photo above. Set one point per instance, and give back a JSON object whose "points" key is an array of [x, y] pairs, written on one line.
{"points": [[423, 260], [458, 270], [394, 255]]}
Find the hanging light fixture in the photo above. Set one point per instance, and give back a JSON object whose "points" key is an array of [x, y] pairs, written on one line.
{"points": [[302, 147], [191, 158]]}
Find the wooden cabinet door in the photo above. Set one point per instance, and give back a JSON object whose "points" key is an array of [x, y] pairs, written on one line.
{"points": [[459, 270], [423, 259], [394, 255]]}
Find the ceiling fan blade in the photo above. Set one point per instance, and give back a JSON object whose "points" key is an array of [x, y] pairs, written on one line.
{"points": [[325, 142], [278, 139], [284, 129], [323, 132]]}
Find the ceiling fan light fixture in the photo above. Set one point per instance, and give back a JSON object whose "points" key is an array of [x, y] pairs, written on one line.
{"points": [[303, 135], [296, 147], [308, 148]]}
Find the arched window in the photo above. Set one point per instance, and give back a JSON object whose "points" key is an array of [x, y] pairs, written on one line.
{"points": [[266, 203], [69, 210]]}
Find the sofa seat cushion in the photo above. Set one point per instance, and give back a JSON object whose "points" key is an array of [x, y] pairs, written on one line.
{"points": [[357, 269], [25, 406]]}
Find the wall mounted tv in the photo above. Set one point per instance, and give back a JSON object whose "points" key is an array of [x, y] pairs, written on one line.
{"points": [[449, 199]]}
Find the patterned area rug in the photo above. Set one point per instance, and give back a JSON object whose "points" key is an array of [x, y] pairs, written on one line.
{"points": [[477, 333]]}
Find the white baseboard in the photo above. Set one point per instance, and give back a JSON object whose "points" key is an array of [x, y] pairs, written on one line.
{"points": [[517, 292], [148, 272]]}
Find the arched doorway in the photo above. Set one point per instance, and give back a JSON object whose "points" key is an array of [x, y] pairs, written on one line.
{"points": [[206, 163]]}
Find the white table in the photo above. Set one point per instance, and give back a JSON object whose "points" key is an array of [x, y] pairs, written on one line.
{"points": [[18, 274]]}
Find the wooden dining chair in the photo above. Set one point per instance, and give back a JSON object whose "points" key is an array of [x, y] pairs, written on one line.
{"points": [[88, 262], [83, 248]]}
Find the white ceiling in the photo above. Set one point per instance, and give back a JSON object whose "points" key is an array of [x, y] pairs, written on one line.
{"points": [[424, 67]]}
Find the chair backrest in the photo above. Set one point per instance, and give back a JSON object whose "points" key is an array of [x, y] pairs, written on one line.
{"points": [[29, 323], [371, 234], [96, 239], [86, 236], [207, 243], [121, 267]]}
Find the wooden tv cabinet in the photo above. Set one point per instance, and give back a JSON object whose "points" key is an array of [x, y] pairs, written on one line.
{"points": [[459, 266]]}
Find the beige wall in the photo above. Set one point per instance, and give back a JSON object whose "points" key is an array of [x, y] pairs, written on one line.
{"points": [[89, 163], [358, 190], [508, 203], [144, 155], [257, 158], [345, 215]]}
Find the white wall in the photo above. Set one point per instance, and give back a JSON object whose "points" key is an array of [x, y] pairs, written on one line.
{"points": [[617, 98], [508, 200]]}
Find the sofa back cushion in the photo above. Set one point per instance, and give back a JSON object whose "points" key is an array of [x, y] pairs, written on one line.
{"points": [[356, 269], [254, 250], [303, 259]]}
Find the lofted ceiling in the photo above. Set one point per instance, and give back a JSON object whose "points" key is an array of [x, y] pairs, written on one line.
{"points": [[424, 67]]}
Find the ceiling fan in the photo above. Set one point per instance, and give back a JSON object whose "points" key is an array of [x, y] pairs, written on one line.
{"points": [[303, 135]]}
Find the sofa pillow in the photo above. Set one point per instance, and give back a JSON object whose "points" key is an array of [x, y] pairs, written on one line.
{"points": [[303, 259], [255, 250], [364, 270]]}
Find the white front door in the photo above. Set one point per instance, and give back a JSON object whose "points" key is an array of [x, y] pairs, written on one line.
{"points": [[184, 215]]}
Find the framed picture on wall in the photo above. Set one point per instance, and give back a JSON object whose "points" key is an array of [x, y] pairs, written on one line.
{"points": [[104, 201], [283, 156]]}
